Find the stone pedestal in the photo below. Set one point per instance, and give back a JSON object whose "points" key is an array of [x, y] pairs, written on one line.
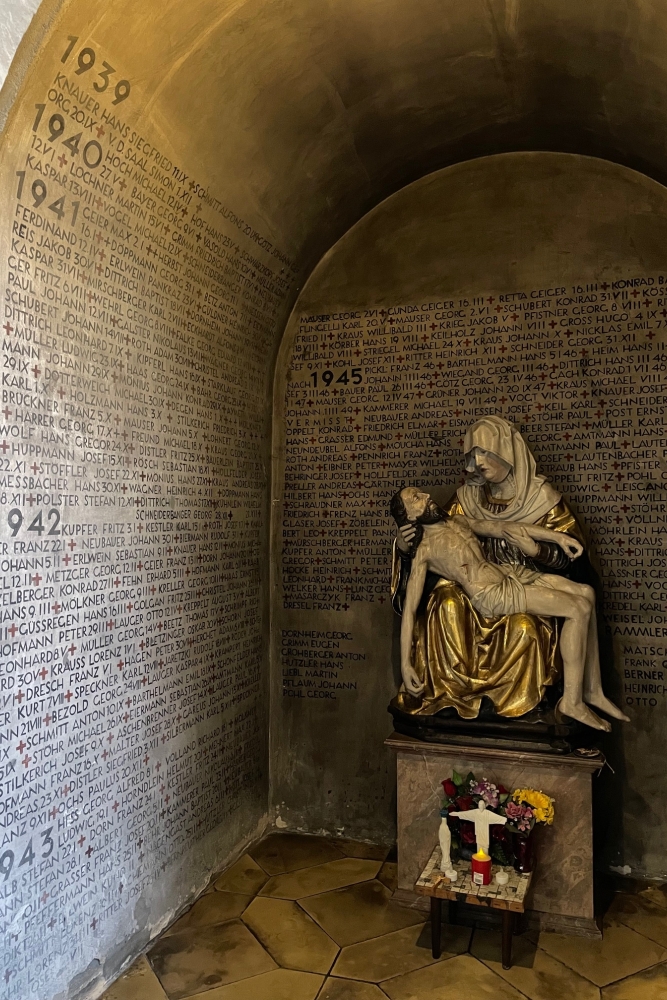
{"points": [[561, 897]]}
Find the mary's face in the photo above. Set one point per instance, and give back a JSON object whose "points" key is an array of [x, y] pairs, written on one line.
{"points": [[492, 468]]}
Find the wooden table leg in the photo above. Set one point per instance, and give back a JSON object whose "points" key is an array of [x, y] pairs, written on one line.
{"points": [[436, 925], [508, 928]]}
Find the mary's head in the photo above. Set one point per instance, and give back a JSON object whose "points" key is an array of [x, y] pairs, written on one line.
{"points": [[492, 448], [495, 451]]}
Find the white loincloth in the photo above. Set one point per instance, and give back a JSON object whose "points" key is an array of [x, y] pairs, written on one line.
{"points": [[507, 596]]}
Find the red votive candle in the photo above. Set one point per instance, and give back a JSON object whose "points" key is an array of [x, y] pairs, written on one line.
{"points": [[481, 868]]}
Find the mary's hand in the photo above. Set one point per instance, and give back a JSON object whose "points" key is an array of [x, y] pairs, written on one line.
{"points": [[518, 535], [404, 536]]}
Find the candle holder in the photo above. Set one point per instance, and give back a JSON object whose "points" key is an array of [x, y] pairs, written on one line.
{"points": [[481, 868]]}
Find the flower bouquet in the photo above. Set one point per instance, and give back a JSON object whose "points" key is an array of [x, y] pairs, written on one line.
{"points": [[524, 811], [523, 808], [462, 794]]}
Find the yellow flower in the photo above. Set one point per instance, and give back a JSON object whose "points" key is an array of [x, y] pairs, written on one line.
{"points": [[543, 805]]}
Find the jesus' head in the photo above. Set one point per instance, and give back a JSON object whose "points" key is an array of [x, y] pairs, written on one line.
{"points": [[412, 505]]}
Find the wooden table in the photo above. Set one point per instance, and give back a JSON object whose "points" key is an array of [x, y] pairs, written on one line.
{"points": [[509, 899]]}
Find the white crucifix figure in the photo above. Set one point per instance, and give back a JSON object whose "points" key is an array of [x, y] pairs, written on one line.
{"points": [[483, 819]]}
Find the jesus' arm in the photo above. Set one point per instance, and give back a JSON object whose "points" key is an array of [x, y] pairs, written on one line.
{"points": [[412, 598], [518, 531]]}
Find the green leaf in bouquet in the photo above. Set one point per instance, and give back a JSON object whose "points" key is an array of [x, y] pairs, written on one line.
{"points": [[470, 780], [498, 854], [457, 779], [504, 797]]}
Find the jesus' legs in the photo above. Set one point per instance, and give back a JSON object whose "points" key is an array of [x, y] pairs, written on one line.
{"points": [[593, 693], [576, 608], [592, 689]]}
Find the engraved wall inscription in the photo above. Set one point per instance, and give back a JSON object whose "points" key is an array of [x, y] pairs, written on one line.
{"points": [[137, 315]]}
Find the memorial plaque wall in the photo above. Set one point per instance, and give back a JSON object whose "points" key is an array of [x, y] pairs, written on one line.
{"points": [[380, 396], [138, 313]]}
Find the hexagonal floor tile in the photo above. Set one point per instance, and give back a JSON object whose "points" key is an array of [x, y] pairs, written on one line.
{"points": [[359, 912], [289, 935], [287, 852], [138, 983], [283, 984], [621, 952], [211, 908], [533, 972], [642, 914], [398, 953], [360, 849], [310, 881], [348, 989], [196, 960], [388, 875], [460, 978], [656, 894], [648, 985], [245, 877]]}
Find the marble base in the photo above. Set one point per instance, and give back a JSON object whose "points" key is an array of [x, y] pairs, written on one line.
{"points": [[561, 895]]}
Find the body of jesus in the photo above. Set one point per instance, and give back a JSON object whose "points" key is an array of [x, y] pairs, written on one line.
{"points": [[448, 546]]}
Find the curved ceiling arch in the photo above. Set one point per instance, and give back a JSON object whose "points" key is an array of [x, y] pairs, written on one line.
{"points": [[322, 109], [352, 101]]}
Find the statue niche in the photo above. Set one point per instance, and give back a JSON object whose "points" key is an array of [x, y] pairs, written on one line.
{"points": [[495, 617]]}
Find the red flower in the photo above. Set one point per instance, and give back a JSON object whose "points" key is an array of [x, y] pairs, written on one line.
{"points": [[503, 790], [450, 788], [463, 803], [467, 832]]}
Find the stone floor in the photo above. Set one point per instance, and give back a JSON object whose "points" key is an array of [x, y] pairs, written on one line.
{"points": [[300, 918]]}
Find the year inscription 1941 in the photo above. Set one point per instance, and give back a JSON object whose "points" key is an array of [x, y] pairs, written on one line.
{"points": [[138, 313]]}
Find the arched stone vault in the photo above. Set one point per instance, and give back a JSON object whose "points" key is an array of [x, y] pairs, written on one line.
{"points": [[319, 111]]}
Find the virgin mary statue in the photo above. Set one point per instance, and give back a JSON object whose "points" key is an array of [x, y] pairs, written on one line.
{"points": [[459, 655]]}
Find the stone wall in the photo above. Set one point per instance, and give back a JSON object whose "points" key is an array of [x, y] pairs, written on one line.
{"points": [[141, 300]]}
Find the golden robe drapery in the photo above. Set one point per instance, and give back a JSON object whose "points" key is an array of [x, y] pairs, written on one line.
{"points": [[461, 656]]}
